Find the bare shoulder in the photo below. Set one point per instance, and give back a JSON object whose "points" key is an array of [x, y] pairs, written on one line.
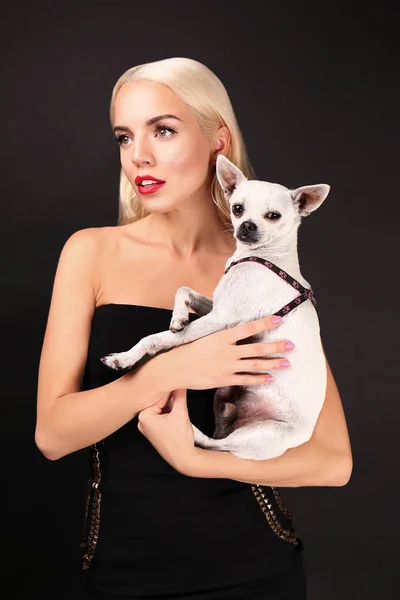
{"points": [[120, 264], [108, 240], [82, 244], [90, 240], [93, 249]]}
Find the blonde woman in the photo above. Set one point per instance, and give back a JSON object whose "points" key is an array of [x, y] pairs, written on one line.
{"points": [[166, 519]]}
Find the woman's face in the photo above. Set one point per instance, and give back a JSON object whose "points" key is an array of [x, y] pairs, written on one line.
{"points": [[170, 148]]}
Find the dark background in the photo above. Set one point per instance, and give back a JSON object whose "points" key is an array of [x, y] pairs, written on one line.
{"points": [[315, 89]]}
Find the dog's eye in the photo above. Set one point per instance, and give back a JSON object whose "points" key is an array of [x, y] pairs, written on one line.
{"points": [[237, 209], [273, 216]]}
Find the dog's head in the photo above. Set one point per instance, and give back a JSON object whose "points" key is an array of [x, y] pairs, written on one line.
{"points": [[262, 213]]}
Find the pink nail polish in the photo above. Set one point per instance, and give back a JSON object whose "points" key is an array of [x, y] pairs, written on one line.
{"points": [[285, 363], [268, 378], [289, 345], [276, 319]]}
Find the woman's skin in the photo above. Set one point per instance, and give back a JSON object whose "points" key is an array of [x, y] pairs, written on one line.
{"points": [[184, 223], [184, 234]]}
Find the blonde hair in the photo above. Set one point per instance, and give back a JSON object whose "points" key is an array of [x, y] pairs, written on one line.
{"points": [[206, 96]]}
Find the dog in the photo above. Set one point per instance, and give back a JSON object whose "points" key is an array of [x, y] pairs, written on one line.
{"points": [[257, 421]]}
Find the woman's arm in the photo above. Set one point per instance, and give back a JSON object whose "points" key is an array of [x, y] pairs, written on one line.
{"points": [[80, 419], [325, 460], [69, 419]]}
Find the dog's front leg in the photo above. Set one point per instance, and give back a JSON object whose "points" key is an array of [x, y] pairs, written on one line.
{"points": [[163, 341], [186, 298]]}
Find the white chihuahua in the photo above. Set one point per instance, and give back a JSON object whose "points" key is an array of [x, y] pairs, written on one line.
{"points": [[257, 421]]}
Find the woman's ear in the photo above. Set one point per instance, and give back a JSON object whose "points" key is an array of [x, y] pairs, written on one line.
{"points": [[221, 143]]}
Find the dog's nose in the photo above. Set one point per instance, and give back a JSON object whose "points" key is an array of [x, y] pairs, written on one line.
{"points": [[248, 227], [247, 232]]}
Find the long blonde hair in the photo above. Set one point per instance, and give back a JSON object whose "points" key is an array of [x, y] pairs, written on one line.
{"points": [[204, 93]]}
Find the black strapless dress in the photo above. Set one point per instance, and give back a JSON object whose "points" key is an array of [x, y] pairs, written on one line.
{"points": [[153, 533]]}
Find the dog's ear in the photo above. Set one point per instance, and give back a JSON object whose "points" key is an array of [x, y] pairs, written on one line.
{"points": [[309, 197], [228, 175]]}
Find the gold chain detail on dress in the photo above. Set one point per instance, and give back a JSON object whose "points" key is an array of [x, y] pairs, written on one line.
{"points": [[288, 535], [282, 507], [90, 541]]}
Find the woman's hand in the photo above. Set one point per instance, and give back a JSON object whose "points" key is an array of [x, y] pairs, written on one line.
{"points": [[209, 362], [167, 426], [215, 360]]}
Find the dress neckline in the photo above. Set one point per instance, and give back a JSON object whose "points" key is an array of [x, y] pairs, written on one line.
{"points": [[137, 306]]}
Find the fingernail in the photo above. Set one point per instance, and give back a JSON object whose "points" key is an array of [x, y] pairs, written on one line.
{"points": [[289, 345], [268, 378], [276, 319], [285, 363]]}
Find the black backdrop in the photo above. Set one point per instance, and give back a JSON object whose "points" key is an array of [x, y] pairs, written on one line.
{"points": [[315, 89]]}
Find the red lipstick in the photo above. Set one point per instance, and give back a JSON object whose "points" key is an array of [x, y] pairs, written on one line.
{"points": [[141, 178], [148, 188]]}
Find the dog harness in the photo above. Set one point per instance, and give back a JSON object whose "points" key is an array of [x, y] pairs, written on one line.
{"points": [[305, 293]]}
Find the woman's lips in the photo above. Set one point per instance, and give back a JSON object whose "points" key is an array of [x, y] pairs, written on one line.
{"points": [[139, 179], [150, 188]]}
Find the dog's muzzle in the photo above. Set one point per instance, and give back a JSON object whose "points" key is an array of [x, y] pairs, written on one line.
{"points": [[248, 232]]}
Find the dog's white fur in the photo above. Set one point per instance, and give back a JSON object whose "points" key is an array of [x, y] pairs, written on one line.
{"points": [[257, 421]]}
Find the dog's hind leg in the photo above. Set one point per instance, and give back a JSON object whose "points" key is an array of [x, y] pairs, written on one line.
{"points": [[258, 441], [186, 298]]}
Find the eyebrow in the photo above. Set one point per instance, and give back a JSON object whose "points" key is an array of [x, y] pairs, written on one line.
{"points": [[149, 122]]}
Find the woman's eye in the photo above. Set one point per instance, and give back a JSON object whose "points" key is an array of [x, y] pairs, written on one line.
{"points": [[121, 139], [163, 129]]}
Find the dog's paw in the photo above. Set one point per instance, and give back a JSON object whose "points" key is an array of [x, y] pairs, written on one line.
{"points": [[180, 325], [179, 320], [118, 360]]}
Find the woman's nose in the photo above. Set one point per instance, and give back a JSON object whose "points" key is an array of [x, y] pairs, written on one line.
{"points": [[141, 153]]}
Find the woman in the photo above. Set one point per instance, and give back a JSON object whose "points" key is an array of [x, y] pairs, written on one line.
{"points": [[166, 519]]}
